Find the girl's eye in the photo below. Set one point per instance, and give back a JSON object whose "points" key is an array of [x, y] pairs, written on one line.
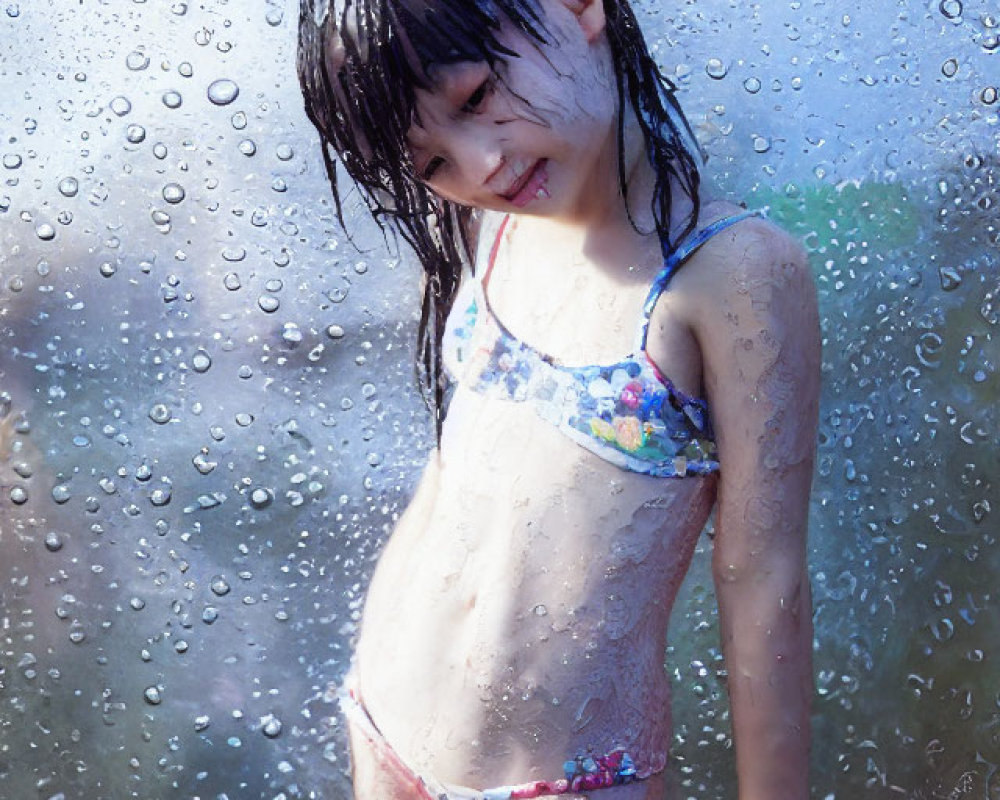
{"points": [[477, 97], [432, 166]]}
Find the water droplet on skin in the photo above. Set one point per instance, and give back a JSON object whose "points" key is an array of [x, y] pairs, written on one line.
{"points": [[219, 586], [291, 333], [201, 722], [45, 232], [61, 493], [716, 69], [540, 610], [231, 281], [173, 193], [284, 152], [239, 120], [185, 69], [18, 495], [761, 144], [752, 85], [137, 603], [244, 419], [143, 472], [209, 615], [950, 68], [245, 372], [120, 106], [172, 99], [268, 303], [152, 696], [68, 187], [53, 543], [160, 414], [989, 95], [247, 147], [160, 150], [274, 17], [181, 646], [136, 61], [222, 92]]}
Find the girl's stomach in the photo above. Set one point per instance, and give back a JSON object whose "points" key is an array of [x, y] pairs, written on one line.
{"points": [[517, 617]]}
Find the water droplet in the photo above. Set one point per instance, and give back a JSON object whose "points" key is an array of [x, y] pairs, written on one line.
{"points": [[752, 85], [68, 187], [950, 68], [268, 303], [245, 372], [45, 232], [201, 361], [53, 542], [274, 16], [716, 69], [18, 495], [950, 278], [120, 105], [271, 726], [185, 69], [284, 152], [761, 144], [291, 333], [951, 9], [540, 610], [223, 91], [173, 193], [239, 120], [234, 254], [989, 95], [209, 615], [160, 414], [61, 493], [201, 722], [161, 495], [137, 61], [247, 147], [231, 281], [160, 150], [244, 419], [152, 695], [261, 498], [943, 629], [219, 586], [172, 99], [181, 646], [137, 603]]}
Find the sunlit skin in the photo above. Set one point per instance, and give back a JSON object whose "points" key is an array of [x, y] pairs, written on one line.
{"points": [[519, 613]]}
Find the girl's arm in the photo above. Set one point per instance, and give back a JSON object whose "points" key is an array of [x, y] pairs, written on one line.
{"points": [[757, 326]]}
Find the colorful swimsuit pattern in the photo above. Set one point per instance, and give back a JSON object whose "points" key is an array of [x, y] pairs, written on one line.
{"points": [[581, 774], [627, 412]]}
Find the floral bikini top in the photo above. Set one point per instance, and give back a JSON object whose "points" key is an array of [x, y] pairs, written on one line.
{"points": [[627, 412]]}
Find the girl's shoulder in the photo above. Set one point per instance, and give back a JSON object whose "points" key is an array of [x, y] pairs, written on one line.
{"points": [[749, 249]]}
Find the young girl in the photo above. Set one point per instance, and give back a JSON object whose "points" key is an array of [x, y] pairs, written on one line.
{"points": [[607, 354]]}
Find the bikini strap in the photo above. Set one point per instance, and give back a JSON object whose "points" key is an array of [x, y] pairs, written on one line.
{"points": [[674, 262]]}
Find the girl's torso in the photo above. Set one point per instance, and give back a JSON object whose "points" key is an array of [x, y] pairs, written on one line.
{"points": [[518, 615]]}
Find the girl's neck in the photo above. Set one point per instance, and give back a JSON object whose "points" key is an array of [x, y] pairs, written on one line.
{"points": [[600, 224]]}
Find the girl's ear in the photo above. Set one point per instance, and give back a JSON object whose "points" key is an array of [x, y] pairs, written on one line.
{"points": [[590, 15]]}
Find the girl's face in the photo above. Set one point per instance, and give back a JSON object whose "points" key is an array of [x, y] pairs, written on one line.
{"points": [[535, 136]]}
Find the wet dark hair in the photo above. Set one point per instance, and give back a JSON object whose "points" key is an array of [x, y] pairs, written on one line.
{"points": [[381, 51]]}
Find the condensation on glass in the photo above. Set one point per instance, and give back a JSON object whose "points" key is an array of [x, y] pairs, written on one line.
{"points": [[208, 422]]}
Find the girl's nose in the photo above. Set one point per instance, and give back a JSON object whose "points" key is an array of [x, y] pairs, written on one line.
{"points": [[478, 158]]}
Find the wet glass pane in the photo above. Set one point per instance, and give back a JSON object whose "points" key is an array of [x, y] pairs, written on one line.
{"points": [[208, 422]]}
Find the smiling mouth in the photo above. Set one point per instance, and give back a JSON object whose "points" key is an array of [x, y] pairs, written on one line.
{"points": [[530, 185]]}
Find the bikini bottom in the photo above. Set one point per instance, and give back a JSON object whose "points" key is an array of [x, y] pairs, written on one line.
{"points": [[582, 774]]}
